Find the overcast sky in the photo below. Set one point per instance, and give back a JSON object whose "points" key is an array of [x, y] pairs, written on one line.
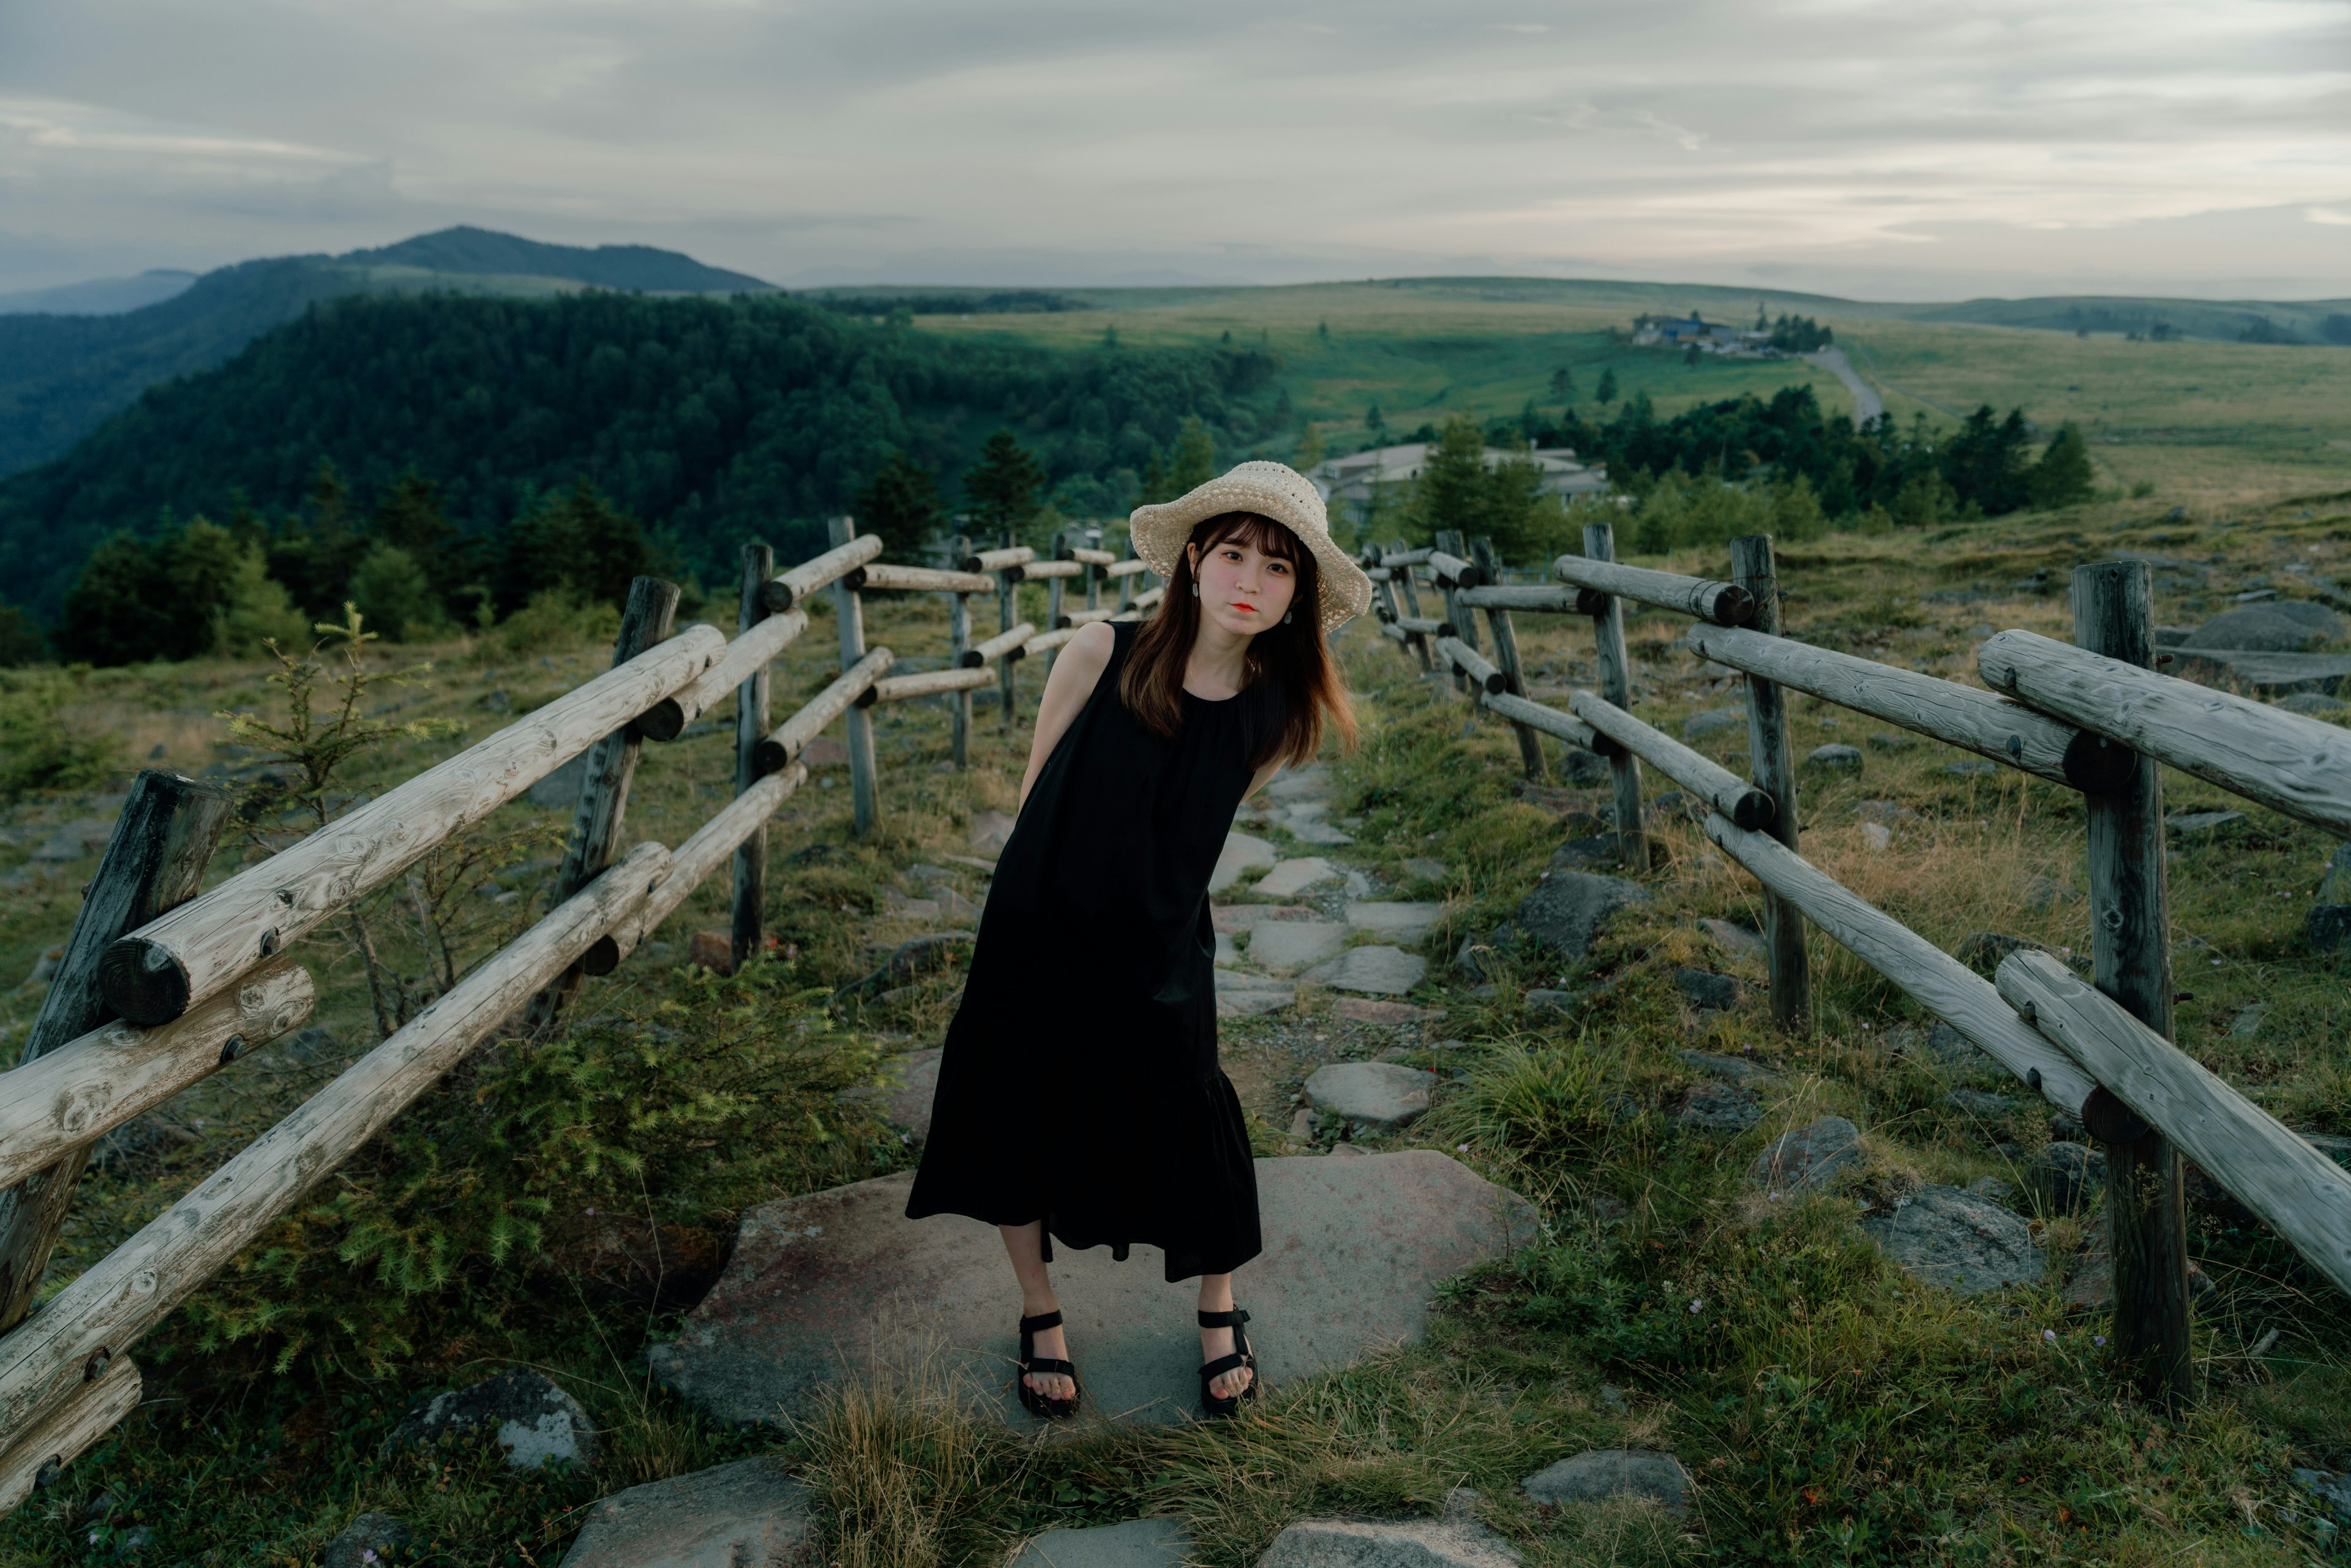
{"points": [[1886, 150]]}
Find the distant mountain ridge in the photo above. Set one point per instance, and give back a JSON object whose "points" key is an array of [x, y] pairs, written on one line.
{"points": [[65, 370], [100, 296]]}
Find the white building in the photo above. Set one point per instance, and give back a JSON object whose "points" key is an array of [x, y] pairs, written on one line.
{"points": [[1350, 481]]}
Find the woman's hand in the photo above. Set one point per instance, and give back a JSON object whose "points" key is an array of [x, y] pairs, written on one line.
{"points": [[1074, 677]]}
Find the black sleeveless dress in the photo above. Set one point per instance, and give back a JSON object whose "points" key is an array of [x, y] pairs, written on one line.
{"points": [[1079, 1085]]}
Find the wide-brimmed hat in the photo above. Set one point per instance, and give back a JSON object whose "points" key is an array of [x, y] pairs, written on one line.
{"points": [[1273, 490]]}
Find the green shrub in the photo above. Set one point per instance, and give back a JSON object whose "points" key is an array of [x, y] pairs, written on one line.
{"points": [[39, 749]]}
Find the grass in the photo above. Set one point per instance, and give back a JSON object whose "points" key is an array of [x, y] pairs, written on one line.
{"points": [[1832, 1409]]}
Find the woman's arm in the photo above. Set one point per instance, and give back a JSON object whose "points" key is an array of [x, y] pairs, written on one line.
{"points": [[1074, 676]]}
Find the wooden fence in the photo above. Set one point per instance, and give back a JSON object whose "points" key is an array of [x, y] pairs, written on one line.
{"points": [[161, 985], [2094, 716]]}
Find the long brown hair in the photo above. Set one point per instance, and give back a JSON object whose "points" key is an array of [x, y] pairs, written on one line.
{"points": [[1293, 654]]}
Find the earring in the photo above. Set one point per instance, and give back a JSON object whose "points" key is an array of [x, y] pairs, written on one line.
{"points": [[1196, 590], [1286, 615]]}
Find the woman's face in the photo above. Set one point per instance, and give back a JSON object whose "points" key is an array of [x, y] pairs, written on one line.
{"points": [[1242, 588]]}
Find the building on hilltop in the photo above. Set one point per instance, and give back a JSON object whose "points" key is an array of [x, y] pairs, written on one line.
{"points": [[1350, 482], [1694, 330]]}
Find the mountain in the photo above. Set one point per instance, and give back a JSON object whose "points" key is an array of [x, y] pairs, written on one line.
{"points": [[100, 296], [61, 375]]}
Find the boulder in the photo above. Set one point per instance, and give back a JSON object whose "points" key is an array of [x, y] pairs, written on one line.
{"points": [[1377, 1096], [1836, 756], [1567, 909], [1706, 990], [1584, 769], [1544, 999], [2331, 1489], [748, 1514], [1714, 722], [990, 831], [1398, 921], [1454, 1540], [366, 1542], [1287, 945], [1807, 1158], [1710, 1107], [1138, 1543], [1606, 1473], [841, 1279], [560, 788], [532, 1420], [1737, 1069], [1877, 837], [1240, 994], [1979, 1103], [1375, 971], [2065, 1177], [2279, 626], [1292, 877], [2263, 673], [1242, 852], [1736, 940], [1957, 1240]]}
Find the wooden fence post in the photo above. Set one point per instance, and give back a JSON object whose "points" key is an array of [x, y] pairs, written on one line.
{"points": [[1402, 577], [750, 729], [2131, 940], [610, 767], [154, 861], [1506, 654], [1007, 612], [1094, 573], [1053, 598], [1617, 686], [1464, 625], [1770, 763], [857, 724], [959, 639]]}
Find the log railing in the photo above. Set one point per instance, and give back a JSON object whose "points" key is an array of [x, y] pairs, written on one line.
{"points": [[160, 988], [2095, 717]]}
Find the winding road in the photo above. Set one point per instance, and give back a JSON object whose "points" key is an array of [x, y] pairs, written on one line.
{"points": [[1866, 403]]}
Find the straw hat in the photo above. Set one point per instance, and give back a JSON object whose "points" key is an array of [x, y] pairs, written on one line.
{"points": [[1273, 490]]}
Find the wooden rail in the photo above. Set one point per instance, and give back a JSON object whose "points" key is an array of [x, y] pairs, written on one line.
{"points": [[1723, 603]]}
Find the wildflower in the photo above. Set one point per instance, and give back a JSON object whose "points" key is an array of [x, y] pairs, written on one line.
{"points": [[1460, 1148], [1694, 1306], [2048, 1335], [2099, 1340], [368, 1555]]}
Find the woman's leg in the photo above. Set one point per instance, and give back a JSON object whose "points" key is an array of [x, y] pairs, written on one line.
{"points": [[1216, 1296], [1026, 1245]]}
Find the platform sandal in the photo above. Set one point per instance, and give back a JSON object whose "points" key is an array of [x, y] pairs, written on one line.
{"points": [[1242, 1355], [1037, 1404]]}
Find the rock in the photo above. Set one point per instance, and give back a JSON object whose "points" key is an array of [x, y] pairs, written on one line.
{"points": [[366, 1542], [1889, 740], [1321, 833], [1377, 1096], [1229, 952], [532, 1420], [990, 831], [1242, 852], [1469, 959], [2333, 1489], [2065, 1176], [1585, 770], [1807, 1158], [1605, 1473], [665, 1267], [1955, 1051], [2335, 885], [1138, 1543], [1398, 921], [1710, 1107], [1715, 721], [2248, 1021], [912, 1081], [1235, 918], [1736, 940], [1427, 870], [1292, 877], [2202, 822], [1593, 850], [1960, 1240], [1363, 1009], [1378, 971], [1730, 1069], [1834, 756], [748, 1514], [2328, 926], [953, 905], [1543, 999], [1312, 782], [2311, 705], [2264, 674], [1301, 1123], [714, 950], [1877, 837], [1242, 994], [1567, 909], [1283, 946], [1979, 1103], [2045, 893], [1991, 1189], [1354, 1250], [2281, 626], [560, 788], [1704, 989], [72, 841], [1456, 1539]]}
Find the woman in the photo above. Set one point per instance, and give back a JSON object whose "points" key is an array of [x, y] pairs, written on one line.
{"points": [[1107, 1120]]}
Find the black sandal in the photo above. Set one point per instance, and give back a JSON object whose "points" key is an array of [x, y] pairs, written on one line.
{"points": [[1037, 1404], [1242, 1355]]}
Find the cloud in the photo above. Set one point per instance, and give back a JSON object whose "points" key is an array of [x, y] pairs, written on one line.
{"points": [[1997, 140]]}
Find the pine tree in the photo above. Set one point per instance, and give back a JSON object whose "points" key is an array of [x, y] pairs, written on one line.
{"points": [[2064, 476], [1309, 452], [1452, 490], [1562, 384], [1608, 392], [901, 504], [1001, 489], [1195, 460], [410, 519]]}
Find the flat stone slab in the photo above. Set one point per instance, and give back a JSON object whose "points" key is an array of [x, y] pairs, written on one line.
{"points": [[1292, 877], [1315, 832], [1288, 944], [748, 1514], [1567, 909], [1606, 1473], [1378, 1095], [2268, 673], [1312, 782], [1392, 1015], [1960, 1240], [1809, 1157], [1242, 852], [1232, 919], [1375, 970], [1736, 940], [1456, 1539], [830, 1285], [1138, 1543], [1240, 994], [532, 1418], [1398, 921]]}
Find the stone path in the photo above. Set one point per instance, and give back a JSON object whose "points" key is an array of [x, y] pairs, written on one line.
{"points": [[840, 1281]]}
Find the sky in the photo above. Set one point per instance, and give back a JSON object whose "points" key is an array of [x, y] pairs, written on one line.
{"points": [[1882, 150]]}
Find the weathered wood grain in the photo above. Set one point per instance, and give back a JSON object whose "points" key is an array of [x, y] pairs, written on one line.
{"points": [[998, 559], [2295, 1190], [1506, 654], [90, 1086], [1724, 603], [1930, 976], [931, 683], [1124, 569], [1009, 642], [958, 642], [1148, 598], [857, 728], [1396, 556], [1090, 556], [1617, 686], [882, 575], [1545, 601], [746, 658], [1727, 793], [2289, 763], [1422, 626], [791, 737], [1535, 716], [1487, 676], [33, 1462], [1979, 721], [1046, 570], [747, 908], [1452, 571], [155, 974], [1073, 619], [786, 591], [1046, 642], [131, 1289], [1771, 760]]}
